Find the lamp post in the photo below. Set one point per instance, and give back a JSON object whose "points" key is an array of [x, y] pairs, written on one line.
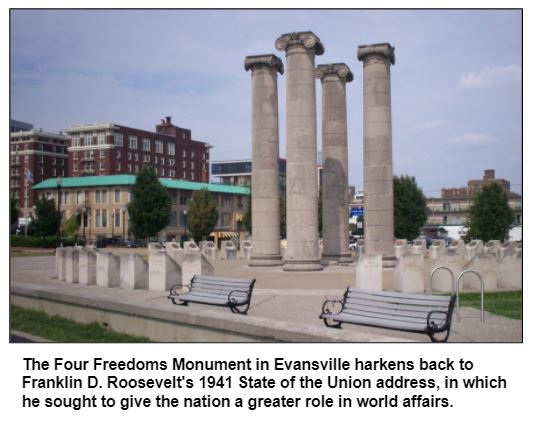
{"points": [[84, 220], [185, 224], [58, 184]]}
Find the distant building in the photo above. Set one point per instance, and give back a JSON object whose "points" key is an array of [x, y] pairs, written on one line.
{"points": [[239, 172], [101, 203], [109, 148], [453, 205], [34, 156], [18, 126]]}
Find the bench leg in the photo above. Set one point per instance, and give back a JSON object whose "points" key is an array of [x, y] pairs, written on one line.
{"points": [[437, 340], [332, 324], [235, 309]]}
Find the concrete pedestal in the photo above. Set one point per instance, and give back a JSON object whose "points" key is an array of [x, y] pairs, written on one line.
{"points": [[400, 247], [87, 266], [369, 272], [60, 263], [246, 249], [164, 271], [228, 250], [472, 249], [134, 272], [302, 252], [108, 269], [378, 179], [71, 264], [265, 184], [409, 274], [210, 250], [485, 265]]}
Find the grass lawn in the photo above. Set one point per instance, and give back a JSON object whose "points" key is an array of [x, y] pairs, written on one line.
{"points": [[13, 252], [506, 303], [64, 330]]}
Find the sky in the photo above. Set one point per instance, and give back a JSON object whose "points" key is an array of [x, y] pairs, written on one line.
{"points": [[456, 85]]}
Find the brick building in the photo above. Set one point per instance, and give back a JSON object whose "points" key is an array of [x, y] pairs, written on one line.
{"points": [[35, 156], [109, 148]]}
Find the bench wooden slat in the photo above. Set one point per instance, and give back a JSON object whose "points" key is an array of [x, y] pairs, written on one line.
{"points": [[401, 325], [388, 311], [402, 318], [398, 300], [431, 298], [213, 279], [389, 305], [213, 286]]}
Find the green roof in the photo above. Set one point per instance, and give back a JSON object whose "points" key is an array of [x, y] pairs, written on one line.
{"points": [[130, 179]]}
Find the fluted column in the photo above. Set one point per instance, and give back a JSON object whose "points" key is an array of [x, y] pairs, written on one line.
{"points": [[265, 189], [335, 213], [302, 252], [378, 183]]}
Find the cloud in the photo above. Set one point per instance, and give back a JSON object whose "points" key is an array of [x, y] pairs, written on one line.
{"points": [[473, 139], [490, 76]]}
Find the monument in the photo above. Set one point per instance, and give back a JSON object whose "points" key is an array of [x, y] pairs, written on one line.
{"points": [[265, 190], [302, 252], [335, 167]]}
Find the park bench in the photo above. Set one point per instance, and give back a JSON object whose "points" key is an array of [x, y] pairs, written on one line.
{"points": [[234, 293], [397, 311]]}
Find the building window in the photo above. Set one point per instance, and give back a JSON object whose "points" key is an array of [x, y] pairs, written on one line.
{"points": [[129, 156], [67, 198], [132, 142], [172, 219], [118, 138], [118, 155], [162, 161], [136, 157], [97, 197], [102, 153], [88, 140], [225, 220], [183, 175], [75, 167], [170, 148], [101, 218], [146, 158], [183, 136], [76, 140], [192, 154], [146, 144], [192, 164], [183, 164], [101, 138], [192, 176], [444, 219], [117, 218], [183, 200], [102, 165], [446, 206], [171, 173], [226, 201], [78, 197], [158, 147], [183, 153], [162, 172], [155, 160], [129, 168], [172, 161], [118, 167], [136, 168]]}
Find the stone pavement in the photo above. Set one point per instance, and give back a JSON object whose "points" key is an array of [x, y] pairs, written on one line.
{"points": [[285, 305]]}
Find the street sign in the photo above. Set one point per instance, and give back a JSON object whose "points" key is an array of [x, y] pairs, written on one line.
{"points": [[357, 211]]}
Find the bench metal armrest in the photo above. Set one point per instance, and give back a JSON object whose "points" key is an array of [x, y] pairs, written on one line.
{"points": [[433, 327], [329, 305], [174, 292], [233, 300]]}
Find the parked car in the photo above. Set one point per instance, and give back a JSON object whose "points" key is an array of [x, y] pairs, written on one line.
{"points": [[352, 243], [446, 239]]}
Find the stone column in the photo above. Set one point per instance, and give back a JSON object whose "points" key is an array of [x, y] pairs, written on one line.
{"points": [[302, 252], [265, 191], [334, 150], [378, 183]]}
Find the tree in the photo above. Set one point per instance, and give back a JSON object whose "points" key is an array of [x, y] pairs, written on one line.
{"points": [[150, 206], [46, 217], [247, 220], [282, 215], [13, 210], [71, 226], [490, 216], [202, 214], [320, 212], [410, 208]]}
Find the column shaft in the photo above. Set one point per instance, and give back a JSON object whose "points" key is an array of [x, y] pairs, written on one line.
{"points": [[378, 183], [335, 167], [265, 189], [302, 252]]}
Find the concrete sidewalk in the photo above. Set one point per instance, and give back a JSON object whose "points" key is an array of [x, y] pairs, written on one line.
{"points": [[285, 307]]}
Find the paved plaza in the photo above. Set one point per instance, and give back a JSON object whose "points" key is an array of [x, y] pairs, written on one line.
{"points": [[285, 305]]}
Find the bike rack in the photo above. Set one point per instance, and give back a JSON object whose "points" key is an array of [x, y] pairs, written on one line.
{"points": [[452, 278], [482, 294]]}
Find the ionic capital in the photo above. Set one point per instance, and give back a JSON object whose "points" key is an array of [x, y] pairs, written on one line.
{"points": [[269, 60], [339, 69], [306, 39], [384, 49]]}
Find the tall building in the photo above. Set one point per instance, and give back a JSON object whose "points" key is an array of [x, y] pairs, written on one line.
{"points": [[35, 156], [453, 205], [239, 172], [109, 148]]}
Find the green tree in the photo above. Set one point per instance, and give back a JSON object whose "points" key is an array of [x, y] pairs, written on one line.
{"points": [[46, 217], [202, 214], [490, 216], [282, 214], [320, 212], [247, 220], [13, 210], [410, 208], [150, 206], [71, 226]]}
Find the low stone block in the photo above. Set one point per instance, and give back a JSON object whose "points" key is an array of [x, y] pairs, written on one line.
{"points": [[485, 265], [134, 272], [472, 249], [228, 250], [456, 247], [419, 247], [60, 263], [71, 264], [164, 271], [87, 266], [369, 272], [492, 246], [246, 249], [437, 249], [108, 269], [400, 246], [409, 274], [210, 250]]}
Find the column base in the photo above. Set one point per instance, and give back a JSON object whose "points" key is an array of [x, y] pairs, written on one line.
{"points": [[311, 265], [337, 259], [265, 261]]}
